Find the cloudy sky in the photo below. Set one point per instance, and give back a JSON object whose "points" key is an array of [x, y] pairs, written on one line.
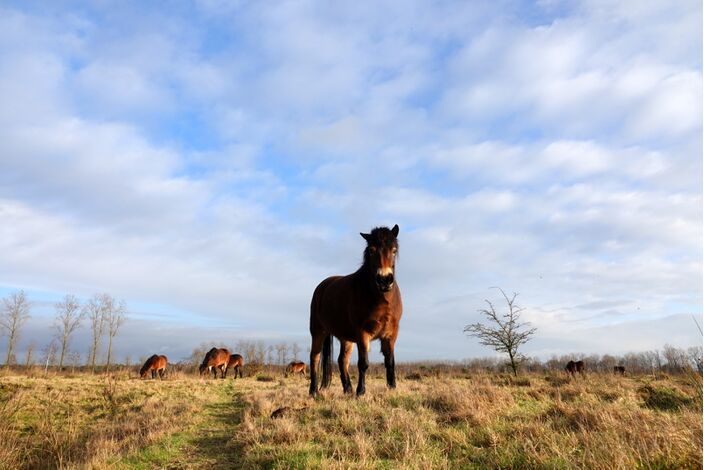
{"points": [[210, 162]]}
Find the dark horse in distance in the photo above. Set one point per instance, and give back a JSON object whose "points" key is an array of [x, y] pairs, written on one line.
{"points": [[215, 359], [155, 364], [236, 361], [619, 370], [573, 367], [356, 309]]}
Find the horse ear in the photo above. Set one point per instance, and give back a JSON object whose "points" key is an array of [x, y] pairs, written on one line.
{"points": [[366, 236], [394, 231]]}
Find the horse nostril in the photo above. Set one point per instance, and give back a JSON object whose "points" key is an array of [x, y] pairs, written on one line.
{"points": [[385, 281]]}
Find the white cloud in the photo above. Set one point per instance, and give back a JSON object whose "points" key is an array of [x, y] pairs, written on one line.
{"points": [[223, 163]]}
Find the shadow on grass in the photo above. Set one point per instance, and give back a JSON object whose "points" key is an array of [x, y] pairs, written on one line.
{"points": [[215, 443]]}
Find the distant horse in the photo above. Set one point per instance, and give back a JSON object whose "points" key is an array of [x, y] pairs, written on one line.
{"points": [[155, 364], [356, 309], [236, 362], [573, 367], [619, 370], [215, 359], [296, 367]]}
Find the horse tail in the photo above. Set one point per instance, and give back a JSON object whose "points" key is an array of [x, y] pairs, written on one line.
{"points": [[327, 361]]}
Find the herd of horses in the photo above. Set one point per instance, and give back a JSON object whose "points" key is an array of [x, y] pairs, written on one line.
{"points": [[217, 359], [356, 309]]}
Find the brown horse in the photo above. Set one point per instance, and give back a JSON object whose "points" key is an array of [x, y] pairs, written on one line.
{"points": [[155, 364], [296, 367], [573, 367], [357, 309], [215, 359], [619, 370], [236, 362]]}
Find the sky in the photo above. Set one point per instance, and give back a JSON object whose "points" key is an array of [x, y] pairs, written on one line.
{"points": [[210, 162]]}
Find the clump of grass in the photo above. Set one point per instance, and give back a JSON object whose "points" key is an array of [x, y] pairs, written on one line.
{"points": [[664, 398], [265, 378]]}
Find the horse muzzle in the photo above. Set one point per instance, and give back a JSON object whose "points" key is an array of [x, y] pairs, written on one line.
{"points": [[385, 283]]}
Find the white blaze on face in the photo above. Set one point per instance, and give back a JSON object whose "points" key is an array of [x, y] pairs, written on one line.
{"points": [[384, 271]]}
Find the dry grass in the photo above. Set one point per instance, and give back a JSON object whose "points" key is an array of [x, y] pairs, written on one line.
{"points": [[430, 421], [90, 421]]}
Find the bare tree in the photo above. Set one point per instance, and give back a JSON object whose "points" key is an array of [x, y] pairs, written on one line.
{"points": [[68, 319], [75, 358], [49, 355], [115, 316], [15, 312], [506, 333], [95, 311], [281, 350], [295, 350], [28, 356], [695, 356]]}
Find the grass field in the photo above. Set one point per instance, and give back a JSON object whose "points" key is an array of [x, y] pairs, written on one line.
{"points": [[433, 420]]}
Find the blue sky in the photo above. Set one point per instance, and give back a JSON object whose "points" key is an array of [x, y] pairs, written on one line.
{"points": [[210, 162]]}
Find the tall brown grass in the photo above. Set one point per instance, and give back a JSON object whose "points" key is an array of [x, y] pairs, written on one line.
{"points": [[432, 420]]}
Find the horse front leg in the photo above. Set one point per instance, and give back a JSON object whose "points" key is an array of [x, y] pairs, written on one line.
{"points": [[387, 349], [362, 363]]}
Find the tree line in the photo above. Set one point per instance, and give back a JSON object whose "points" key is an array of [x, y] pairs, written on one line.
{"points": [[669, 359], [103, 314]]}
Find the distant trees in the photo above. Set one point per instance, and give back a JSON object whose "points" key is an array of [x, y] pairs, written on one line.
{"points": [[115, 316], [15, 312], [68, 319], [505, 333], [105, 316], [95, 312]]}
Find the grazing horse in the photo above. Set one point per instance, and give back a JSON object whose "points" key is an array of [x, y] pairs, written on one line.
{"points": [[236, 362], [296, 367], [573, 367], [155, 364], [215, 359], [619, 370], [356, 309]]}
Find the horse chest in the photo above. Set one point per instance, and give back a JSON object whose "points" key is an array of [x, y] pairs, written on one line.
{"points": [[379, 322]]}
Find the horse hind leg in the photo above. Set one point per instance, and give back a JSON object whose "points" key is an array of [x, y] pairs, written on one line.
{"points": [[343, 362], [327, 362], [316, 348]]}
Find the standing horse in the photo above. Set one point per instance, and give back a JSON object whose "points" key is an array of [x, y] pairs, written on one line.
{"points": [[215, 359], [296, 367], [155, 364], [236, 362], [619, 370], [573, 368], [356, 309]]}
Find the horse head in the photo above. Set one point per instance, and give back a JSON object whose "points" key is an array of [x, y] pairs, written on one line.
{"points": [[380, 256]]}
